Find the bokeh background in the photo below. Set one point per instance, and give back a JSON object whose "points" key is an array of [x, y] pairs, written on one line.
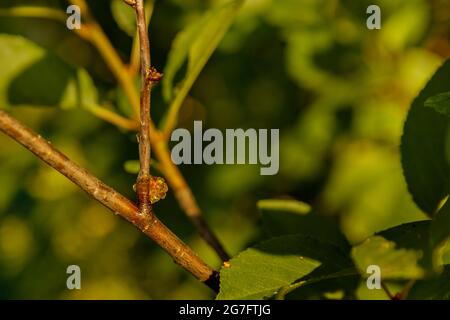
{"points": [[337, 91]]}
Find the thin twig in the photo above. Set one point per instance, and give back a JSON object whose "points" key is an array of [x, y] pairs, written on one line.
{"points": [[149, 76], [150, 225], [135, 58]]}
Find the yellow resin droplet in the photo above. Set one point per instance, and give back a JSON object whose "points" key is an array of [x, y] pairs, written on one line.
{"points": [[158, 189]]}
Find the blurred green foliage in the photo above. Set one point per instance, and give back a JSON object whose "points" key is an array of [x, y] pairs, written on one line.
{"points": [[338, 92]]}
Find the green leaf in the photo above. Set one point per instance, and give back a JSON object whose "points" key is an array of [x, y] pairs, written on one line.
{"points": [[33, 76], [16, 54], [413, 236], [124, 16], [436, 288], [440, 103], [440, 234], [197, 43], [401, 252], [283, 217], [259, 272], [424, 141], [341, 283], [394, 263], [440, 225]]}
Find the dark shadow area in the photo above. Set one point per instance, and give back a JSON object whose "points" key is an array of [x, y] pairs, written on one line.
{"points": [[42, 84]]}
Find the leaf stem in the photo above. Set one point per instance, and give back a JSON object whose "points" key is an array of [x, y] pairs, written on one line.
{"points": [[281, 294]]}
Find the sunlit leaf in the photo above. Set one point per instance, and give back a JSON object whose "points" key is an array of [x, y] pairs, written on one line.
{"points": [[259, 272], [393, 262], [402, 252]]}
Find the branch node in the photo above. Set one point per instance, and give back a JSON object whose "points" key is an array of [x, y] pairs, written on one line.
{"points": [[152, 75], [143, 195]]}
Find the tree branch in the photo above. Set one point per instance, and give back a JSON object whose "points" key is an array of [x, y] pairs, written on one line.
{"points": [[148, 224]]}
